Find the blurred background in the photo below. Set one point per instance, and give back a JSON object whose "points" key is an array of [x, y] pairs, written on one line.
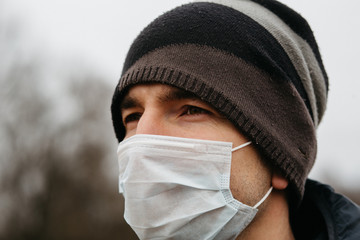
{"points": [[59, 63]]}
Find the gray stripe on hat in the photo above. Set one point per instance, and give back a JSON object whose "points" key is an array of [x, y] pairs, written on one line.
{"points": [[298, 50]]}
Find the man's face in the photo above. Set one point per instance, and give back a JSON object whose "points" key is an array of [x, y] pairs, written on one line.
{"points": [[164, 110]]}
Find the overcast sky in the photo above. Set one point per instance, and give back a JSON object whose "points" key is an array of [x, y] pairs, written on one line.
{"points": [[99, 32]]}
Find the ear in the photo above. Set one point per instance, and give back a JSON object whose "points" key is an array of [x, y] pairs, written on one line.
{"points": [[278, 181]]}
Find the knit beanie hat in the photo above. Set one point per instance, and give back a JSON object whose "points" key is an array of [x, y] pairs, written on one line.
{"points": [[255, 61]]}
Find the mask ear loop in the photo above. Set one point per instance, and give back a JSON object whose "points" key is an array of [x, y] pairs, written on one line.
{"points": [[271, 188], [264, 198], [241, 146]]}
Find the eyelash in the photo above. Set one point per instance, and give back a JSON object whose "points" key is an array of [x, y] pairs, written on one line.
{"points": [[188, 108], [132, 117]]}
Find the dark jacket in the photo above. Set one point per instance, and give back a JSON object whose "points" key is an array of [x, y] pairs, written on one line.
{"points": [[324, 214]]}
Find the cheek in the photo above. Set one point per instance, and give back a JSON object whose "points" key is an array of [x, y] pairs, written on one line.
{"points": [[214, 129], [250, 178], [206, 132]]}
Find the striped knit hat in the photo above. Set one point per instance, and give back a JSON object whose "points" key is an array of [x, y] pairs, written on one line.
{"points": [[256, 62]]}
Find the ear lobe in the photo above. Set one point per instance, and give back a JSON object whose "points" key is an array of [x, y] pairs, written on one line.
{"points": [[278, 181]]}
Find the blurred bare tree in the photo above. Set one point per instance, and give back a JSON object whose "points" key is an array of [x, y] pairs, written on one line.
{"points": [[58, 169]]}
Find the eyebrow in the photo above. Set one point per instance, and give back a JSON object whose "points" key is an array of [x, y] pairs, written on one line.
{"points": [[177, 94], [168, 96], [128, 102]]}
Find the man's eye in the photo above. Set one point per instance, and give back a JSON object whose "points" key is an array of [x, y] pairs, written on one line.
{"points": [[192, 110], [132, 117]]}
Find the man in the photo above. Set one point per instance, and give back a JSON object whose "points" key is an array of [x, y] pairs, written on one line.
{"points": [[216, 114]]}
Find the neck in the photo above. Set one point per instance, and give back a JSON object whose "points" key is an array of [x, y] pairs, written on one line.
{"points": [[272, 220]]}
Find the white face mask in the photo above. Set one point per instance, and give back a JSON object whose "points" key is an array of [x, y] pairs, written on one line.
{"points": [[179, 188]]}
